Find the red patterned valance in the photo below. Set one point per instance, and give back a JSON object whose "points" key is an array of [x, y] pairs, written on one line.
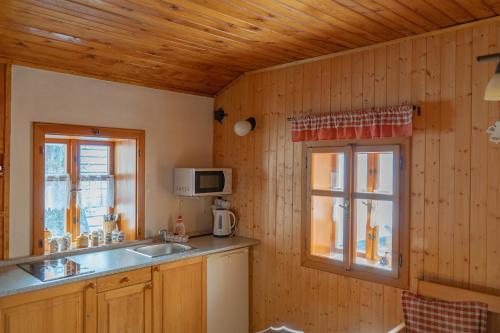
{"points": [[386, 122]]}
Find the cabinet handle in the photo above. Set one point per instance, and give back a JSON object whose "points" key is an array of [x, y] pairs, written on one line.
{"points": [[124, 279], [148, 286], [91, 285], [156, 269]]}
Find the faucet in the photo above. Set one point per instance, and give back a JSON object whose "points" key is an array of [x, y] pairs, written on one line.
{"points": [[163, 235]]}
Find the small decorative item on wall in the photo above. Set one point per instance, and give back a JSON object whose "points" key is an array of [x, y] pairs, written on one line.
{"points": [[494, 132]]}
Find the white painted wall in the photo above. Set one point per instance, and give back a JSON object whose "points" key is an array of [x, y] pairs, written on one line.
{"points": [[178, 133]]}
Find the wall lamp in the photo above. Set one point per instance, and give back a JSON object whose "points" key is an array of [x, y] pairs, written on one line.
{"points": [[219, 115], [492, 92], [243, 127]]}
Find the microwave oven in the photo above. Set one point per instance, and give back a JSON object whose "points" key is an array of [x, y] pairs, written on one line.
{"points": [[193, 182]]}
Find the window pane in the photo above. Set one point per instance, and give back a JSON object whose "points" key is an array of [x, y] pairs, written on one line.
{"points": [[373, 238], [55, 221], [92, 219], [327, 227], [56, 188], [374, 172], [327, 171], [94, 160], [56, 159], [96, 195]]}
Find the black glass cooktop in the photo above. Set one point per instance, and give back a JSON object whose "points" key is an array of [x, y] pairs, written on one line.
{"points": [[54, 269]]}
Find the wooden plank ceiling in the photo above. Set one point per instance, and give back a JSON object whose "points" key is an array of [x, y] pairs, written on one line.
{"points": [[200, 46]]}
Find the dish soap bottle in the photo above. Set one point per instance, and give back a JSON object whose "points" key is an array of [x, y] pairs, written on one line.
{"points": [[180, 228]]}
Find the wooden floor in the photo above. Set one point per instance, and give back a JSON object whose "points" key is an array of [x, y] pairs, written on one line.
{"points": [[455, 178]]}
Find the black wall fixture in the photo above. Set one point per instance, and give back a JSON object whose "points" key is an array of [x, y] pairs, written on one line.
{"points": [[219, 115]]}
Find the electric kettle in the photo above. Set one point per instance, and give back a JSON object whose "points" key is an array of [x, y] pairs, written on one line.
{"points": [[224, 222]]}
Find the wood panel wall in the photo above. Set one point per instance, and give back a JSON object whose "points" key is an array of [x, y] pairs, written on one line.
{"points": [[455, 174]]}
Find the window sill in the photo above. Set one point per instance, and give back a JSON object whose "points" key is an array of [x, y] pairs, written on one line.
{"points": [[323, 264], [90, 249], [373, 264]]}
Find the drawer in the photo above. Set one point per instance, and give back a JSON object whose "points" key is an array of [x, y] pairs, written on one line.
{"points": [[123, 279]]}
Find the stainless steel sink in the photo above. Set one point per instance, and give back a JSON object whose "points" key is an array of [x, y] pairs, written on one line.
{"points": [[164, 249]]}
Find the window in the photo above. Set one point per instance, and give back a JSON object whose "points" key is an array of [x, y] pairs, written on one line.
{"points": [[78, 197], [355, 221], [81, 174], [96, 190]]}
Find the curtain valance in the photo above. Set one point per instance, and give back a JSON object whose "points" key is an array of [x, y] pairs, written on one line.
{"points": [[383, 122]]}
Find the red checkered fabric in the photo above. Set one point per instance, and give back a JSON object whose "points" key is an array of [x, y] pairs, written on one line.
{"points": [[391, 121], [428, 315]]}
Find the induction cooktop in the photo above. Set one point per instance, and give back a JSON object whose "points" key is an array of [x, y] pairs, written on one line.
{"points": [[54, 269]]}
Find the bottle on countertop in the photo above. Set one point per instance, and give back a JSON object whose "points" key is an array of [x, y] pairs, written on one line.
{"points": [[180, 228]]}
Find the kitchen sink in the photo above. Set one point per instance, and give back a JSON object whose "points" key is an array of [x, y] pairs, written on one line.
{"points": [[163, 249]]}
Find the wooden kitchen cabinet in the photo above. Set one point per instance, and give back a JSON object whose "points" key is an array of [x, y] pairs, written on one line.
{"points": [[171, 300], [178, 297], [125, 310], [124, 302], [68, 308]]}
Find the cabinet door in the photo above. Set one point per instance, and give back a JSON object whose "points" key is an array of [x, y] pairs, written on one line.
{"points": [[178, 297], [227, 292], [125, 310], [60, 309]]}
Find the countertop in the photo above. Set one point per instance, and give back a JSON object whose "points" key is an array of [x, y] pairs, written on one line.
{"points": [[14, 280]]}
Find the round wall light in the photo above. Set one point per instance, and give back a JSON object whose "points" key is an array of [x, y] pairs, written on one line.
{"points": [[492, 91], [243, 127]]}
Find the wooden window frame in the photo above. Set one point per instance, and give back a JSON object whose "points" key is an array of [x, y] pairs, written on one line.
{"points": [[5, 97], [399, 277], [90, 135]]}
